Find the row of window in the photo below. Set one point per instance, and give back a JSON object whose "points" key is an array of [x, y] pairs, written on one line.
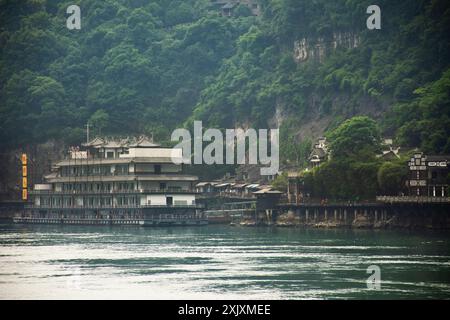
{"points": [[106, 170], [89, 201], [111, 170], [106, 187], [97, 187]]}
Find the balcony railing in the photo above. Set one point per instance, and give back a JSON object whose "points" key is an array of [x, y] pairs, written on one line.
{"points": [[139, 191], [105, 207], [413, 199]]}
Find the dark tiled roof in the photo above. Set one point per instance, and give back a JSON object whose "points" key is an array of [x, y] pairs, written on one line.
{"points": [[133, 142], [317, 152]]}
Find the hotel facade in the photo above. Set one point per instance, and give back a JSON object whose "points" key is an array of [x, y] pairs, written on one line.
{"points": [[116, 181]]}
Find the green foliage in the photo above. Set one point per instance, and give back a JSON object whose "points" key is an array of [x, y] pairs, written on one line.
{"points": [[375, 71], [354, 172], [392, 176], [351, 173], [341, 179], [280, 183], [143, 63], [292, 150], [151, 66], [99, 120], [425, 122], [358, 137], [242, 11]]}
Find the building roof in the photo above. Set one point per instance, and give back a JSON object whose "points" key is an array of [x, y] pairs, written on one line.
{"points": [[94, 142], [389, 154], [267, 191], [117, 142], [222, 185], [318, 152], [112, 144], [143, 142], [51, 175], [239, 185], [202, 184]]}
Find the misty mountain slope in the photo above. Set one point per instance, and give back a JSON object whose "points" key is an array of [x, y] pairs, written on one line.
{"points": [[134, 66], [310, 64], [151, 66]]}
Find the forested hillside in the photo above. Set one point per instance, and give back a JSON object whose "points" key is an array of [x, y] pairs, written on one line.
{"points": [[134, 67], [398, 74], [149, 66]]}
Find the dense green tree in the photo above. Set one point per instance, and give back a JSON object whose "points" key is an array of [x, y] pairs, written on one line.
{"points": [[392, 176], [358, 137], [99, 120], [351, 173], [280, 183], [155, 65], [425, 122]]}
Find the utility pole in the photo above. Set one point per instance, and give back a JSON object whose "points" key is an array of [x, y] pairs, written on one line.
{"points": [[87, 132]]}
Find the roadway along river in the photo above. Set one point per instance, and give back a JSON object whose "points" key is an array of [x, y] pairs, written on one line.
{"points": [[219, 262]]}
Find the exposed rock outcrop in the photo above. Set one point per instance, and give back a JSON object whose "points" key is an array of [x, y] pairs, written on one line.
{"points": [[318, 48]]}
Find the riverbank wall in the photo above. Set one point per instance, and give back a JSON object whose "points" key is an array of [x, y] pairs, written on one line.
{"points": [[362, 216]]}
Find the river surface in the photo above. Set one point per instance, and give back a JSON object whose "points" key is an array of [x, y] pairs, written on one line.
{"points": [[219, 262]]}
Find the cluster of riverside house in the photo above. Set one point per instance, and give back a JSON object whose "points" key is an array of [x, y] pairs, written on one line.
{"points": [[247, 183], [231, 188], [135, 178], [428, 175]]}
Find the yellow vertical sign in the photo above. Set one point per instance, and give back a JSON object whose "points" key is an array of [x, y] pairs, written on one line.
{"points": [[24, 177]]}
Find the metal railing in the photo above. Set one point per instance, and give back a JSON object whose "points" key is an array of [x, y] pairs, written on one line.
{"points": [[138, 191], [413, 199], [105, 207]]}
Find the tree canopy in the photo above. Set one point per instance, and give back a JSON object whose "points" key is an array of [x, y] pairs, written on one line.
{"points": [[152, 66], [357, 137]]}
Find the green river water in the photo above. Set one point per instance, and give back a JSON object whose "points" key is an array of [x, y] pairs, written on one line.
{"points": [[219, 262]]}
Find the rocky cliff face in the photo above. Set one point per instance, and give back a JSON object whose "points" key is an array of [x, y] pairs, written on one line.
{"points": [[315, 121], [318, 48]]}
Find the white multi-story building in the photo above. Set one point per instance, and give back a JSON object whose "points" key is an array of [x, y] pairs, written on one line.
{"points": [[116, 181]]}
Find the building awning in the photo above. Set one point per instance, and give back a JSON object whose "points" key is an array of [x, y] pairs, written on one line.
{"points": [[51, 175], [152, 177], [143, 142], [239, 185], [203, 184], [267, 191], [222, 185], [252, 186]]}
